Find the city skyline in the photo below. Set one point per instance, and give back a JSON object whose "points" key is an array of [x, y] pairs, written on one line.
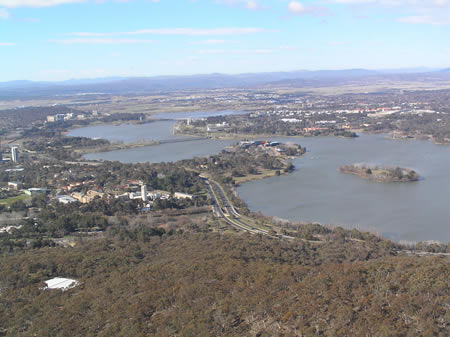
{"points": [[63, 39]]}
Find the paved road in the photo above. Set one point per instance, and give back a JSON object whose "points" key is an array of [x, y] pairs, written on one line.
{"points": [[226, 213], [229, 214]]}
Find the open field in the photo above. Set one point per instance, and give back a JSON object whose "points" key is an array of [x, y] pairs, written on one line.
{"points": [[263, 173], [362, 89], [8, 201]]}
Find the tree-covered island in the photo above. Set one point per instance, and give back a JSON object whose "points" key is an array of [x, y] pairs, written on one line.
{"points": [[381, 173]]}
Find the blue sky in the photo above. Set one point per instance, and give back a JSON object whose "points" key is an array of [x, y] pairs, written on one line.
{"points": [[62, 39]]}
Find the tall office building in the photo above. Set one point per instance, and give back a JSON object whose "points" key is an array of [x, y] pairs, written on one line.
{"points": [[144, 192], [14, 153]]}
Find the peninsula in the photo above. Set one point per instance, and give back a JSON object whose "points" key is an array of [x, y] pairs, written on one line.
{"points": [[381, 173]]}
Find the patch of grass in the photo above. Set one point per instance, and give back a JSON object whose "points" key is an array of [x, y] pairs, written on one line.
{"points": [[263, 173], [8, 201]]}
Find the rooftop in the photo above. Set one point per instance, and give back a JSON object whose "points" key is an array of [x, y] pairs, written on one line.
{"points": [[61, 283]]}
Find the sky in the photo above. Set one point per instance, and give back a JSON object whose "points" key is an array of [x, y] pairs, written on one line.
{"points": [[51, 40]]}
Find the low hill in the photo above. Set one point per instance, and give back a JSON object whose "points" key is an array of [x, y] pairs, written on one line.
{"points": [[142, 85], [208, 284]]}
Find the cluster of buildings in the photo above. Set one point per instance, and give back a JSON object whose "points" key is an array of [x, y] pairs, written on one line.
{"points": [[247, 143], [217, 127], [67, 117], [35, 191], [14, 185], [88, 197], [84, 198], [146, 195], [59, 117], [143, 194], [270, 147], [14, 157], [71, 115], [79, 184]]}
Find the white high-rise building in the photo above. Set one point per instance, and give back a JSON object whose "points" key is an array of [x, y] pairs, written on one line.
{"points": [[14, 153], [144, 192]]}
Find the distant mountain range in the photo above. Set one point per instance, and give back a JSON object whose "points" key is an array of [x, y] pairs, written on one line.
{"points": [[141, 85]]}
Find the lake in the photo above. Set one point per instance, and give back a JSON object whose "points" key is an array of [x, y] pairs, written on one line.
{"points": [[170, 152], [153, 130], [129, 133], [316, 191]]}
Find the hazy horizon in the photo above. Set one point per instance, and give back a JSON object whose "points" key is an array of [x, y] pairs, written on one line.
{"points": [[418, 69]]}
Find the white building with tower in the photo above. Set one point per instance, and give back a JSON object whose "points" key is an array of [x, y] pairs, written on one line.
{"points": [[14, 153], [144, 192]]}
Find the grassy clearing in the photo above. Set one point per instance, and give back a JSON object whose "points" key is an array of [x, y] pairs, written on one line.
{"points": [[263, 173], [8, 201]]}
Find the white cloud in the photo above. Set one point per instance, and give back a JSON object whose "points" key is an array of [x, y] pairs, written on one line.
{"points": [[397, 3], [213, 42], [431, 12], [36, 3], [296, 7], [253, 5], [353, 1], [5, 44], [4, 14], [425, 19], [101, 41], [236, 51], [181, 31]]}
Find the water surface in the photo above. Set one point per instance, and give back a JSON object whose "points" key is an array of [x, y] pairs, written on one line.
{"points": [[129, 133], [317, 191], [157, 130], [165, 152]]}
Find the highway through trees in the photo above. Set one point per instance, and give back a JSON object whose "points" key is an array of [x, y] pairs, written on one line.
{"points": [[224, 209]]}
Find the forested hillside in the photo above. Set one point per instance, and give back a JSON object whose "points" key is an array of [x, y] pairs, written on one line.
{"points": [[147, 283]]}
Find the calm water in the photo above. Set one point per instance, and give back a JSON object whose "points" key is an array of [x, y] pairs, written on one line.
{"points": [[317, 191], [157, 131], [129, 133], [164, 152]]}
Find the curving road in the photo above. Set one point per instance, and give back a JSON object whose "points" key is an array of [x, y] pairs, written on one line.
{"points": [[229, 214]]}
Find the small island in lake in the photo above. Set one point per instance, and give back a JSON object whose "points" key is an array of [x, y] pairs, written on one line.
{"points": [[381, 173]]}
